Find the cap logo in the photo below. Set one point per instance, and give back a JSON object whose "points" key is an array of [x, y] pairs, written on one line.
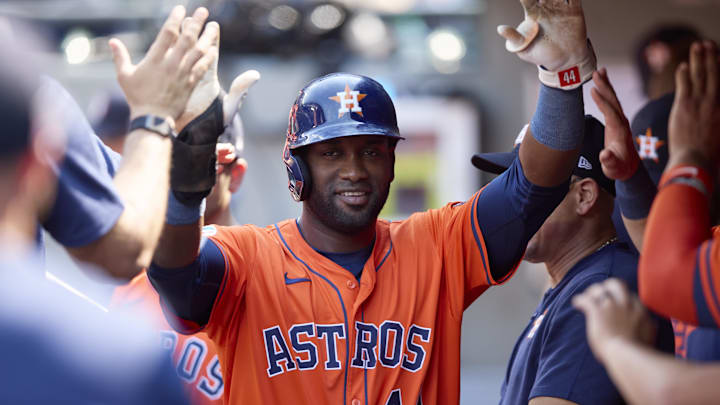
{"points": [[584, 163], [649, 145], [349, 101]]}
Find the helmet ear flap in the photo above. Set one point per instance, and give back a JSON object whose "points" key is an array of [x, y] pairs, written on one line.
{"points": [[307, 179], [298, 175]]}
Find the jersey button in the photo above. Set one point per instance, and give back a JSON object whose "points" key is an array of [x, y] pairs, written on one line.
{"points": [[351, 285], [356, 402]]}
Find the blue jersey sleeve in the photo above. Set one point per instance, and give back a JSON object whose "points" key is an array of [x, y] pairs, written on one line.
{"points": [[87, 205], [510, 210], [567, 368]]}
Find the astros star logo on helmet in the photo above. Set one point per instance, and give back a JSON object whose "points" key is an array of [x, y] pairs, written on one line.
{"points": [[349, 101]]}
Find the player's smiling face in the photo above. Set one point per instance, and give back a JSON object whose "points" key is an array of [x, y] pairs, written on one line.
{"points": [[350, 180]]}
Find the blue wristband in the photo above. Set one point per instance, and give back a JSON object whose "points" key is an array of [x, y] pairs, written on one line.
{"points": [[181, 214], [636, 194], [559, 119]]}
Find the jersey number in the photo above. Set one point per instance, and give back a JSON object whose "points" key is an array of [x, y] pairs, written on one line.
{"points": [[395, 398]]}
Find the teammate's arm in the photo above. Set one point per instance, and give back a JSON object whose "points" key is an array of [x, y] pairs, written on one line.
{"points": [[679, 265], [620, 161], [159, 85], [549, 150], [618, 330]]}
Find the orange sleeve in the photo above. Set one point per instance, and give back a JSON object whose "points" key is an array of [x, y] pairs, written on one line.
{"points": [[678, 255]]}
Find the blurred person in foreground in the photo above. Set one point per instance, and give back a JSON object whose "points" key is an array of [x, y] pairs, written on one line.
{"points": [[55, 347], [108, 211], [552, 362], [678, 268], [194, 356]]}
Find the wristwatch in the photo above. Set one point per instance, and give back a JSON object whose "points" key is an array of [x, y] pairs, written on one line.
{"points": [[153, 123]]}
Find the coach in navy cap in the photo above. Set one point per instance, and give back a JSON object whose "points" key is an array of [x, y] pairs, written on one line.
{"points": [[577, 243]]}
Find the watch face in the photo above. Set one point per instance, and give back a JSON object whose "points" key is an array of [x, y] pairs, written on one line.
{"points": [[153, 123]]}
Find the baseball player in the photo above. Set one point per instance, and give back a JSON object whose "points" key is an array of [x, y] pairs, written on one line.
{"points": [[194, 356], [551, 362], [338, 306], [682, 270], [107, 212], [55, 348]]}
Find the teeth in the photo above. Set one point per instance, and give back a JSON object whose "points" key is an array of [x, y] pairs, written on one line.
{"points": [[353, 193]]}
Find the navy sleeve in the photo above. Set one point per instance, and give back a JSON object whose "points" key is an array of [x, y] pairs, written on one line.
{"points": [[510, 210], [567, 368], [189, 292], [87, 205]]}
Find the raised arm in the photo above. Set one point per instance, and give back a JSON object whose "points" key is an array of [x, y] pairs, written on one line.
{"points": [[679, 272], [620, 161], [534, 186], [159, 85]]}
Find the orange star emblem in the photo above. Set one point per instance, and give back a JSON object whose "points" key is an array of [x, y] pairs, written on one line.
{"points": [[648, 146], [349, 101]]}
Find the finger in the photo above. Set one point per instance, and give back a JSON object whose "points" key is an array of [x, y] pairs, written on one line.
{"points": [[121, 57], [606, 88], [612, 116], [584, 304], [189, 32], [711, 68], [202, 66], [697, 69], [683, 86], [238, 91], [168, 33], [209, 42], [514, 38], [609, 162], [618, 291]]}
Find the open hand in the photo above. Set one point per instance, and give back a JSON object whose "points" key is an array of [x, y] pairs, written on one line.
{"points": [[164, 79], [619, 159], [694, 126], [552, 35]]}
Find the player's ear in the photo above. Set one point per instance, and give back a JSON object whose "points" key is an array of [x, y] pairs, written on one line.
{"points": [[237, 173], [587, 194]]}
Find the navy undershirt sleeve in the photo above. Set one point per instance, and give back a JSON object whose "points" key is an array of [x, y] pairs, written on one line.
{"points": [[190, 291], [510, 210]]}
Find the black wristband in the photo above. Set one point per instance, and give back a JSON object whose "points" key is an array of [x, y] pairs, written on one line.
{"points": [[153, 123]]}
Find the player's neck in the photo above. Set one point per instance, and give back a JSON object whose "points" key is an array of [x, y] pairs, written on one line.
{"points": [[583, 243], [326, 239]]}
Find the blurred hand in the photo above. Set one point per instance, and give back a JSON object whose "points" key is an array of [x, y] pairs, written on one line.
{"points": [[563, 41], [208, 89], [164, 79], [612, 313], [694, 127], [619, 159]]}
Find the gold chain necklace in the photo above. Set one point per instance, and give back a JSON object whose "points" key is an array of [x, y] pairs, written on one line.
{"points": [[607, 242]]}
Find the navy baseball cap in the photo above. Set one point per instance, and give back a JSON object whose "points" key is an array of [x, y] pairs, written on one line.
{"points": [[588, 164], [650, 133]]}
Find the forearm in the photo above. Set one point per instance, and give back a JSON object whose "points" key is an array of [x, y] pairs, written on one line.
{"points": [[678, 224], [549, 151], [178, 245], [645, 376]]}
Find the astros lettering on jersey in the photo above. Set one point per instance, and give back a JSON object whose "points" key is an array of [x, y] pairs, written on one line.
{"points": [[293, 326], [194, 356]]}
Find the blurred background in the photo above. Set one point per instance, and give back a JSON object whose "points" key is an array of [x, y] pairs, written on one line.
{"points": [[457, 92]]}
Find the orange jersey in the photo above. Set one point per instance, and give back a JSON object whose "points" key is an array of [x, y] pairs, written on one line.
{"points": [[194, 356], [292, 326]]}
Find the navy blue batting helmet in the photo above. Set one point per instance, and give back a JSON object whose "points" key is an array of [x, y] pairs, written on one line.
{"points": [[334, 106]]}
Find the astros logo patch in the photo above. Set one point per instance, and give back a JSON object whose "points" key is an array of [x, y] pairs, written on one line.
{"points": [[649, 145], [349, 101]]}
